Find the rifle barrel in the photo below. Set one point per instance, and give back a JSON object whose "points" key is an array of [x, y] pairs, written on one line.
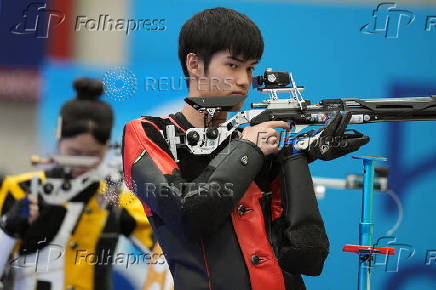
{"points": [[362, 110]]}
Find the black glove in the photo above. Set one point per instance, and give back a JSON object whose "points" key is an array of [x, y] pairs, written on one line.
{"points": [[331, 141], [15, 222]]}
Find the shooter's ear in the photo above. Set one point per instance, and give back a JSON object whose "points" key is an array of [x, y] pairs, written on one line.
{"points": [[194, 65]]}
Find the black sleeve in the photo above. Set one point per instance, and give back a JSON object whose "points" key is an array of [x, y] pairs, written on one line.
{"points": [[303, 244], [199, 207]]}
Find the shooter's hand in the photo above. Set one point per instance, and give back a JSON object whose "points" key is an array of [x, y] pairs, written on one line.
{"points": [[330, 142], [265, 136], [16, 221]]}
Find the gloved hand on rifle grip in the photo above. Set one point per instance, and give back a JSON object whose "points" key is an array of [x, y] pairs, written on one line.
{"points": [[17, 220], [330, 142]]}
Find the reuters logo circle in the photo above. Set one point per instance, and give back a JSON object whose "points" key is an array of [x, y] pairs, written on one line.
{"points": [[119, 84]]}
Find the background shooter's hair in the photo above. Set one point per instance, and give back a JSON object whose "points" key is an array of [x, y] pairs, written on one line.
{"points": [[86, 113], [217, 29]]}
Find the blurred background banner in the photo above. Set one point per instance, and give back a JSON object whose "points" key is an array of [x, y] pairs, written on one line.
{"points": [[365, 49]]}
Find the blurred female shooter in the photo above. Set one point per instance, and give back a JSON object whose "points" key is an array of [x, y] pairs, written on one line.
{"points": [[67, 239]]}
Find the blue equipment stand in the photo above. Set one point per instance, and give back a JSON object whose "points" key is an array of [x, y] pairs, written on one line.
{"points": [[365, 249]]}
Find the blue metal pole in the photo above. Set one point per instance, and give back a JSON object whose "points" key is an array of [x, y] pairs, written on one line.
{"points": [[366, 227]]}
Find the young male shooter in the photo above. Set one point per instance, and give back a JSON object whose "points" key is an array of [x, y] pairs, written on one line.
{"points": [[244, 219]]}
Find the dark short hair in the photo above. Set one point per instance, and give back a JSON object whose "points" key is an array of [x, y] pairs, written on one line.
{"points": [[217, 29], [86, 113]]}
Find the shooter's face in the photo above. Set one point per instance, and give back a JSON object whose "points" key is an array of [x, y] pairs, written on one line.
{"points": [[82, 145], [227, 75]]}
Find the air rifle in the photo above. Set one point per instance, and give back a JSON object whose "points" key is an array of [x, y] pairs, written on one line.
{"points": [[295, 109]]}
